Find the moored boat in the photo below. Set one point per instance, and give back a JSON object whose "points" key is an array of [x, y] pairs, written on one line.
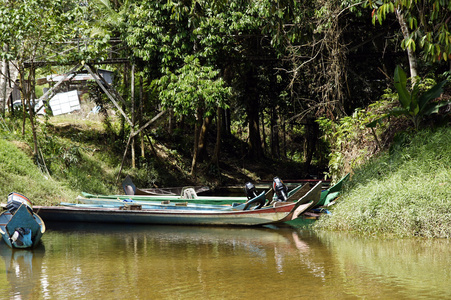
{"points": [[189, 195], [243, 215], [20, 227]]}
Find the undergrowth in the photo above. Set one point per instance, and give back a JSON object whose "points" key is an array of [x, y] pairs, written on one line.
{"points": [[18, 173], [404, 192]]}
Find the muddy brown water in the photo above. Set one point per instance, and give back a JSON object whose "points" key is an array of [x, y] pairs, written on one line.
{"points": [[93, 261]]}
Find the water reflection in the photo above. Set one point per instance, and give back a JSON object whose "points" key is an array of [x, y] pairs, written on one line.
{"points": [[22, 270], [91, 261], [403, 267]]}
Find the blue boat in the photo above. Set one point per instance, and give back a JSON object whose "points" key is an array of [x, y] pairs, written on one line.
{"points": [[20, 227]]}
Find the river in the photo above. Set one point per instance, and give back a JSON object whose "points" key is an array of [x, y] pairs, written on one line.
{"points": [[93, 261]]}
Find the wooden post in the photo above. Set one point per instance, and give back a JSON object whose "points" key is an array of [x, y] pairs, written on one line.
{"points": [[49, 93], [105, 90]]}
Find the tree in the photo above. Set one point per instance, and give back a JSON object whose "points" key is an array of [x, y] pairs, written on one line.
{"points": [[30, 30], [424, 24], [194, 91]]}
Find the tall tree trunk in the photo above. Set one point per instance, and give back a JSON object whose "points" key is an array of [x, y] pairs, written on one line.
{"points": [[132, 98], [311, 136], [252, 111], [284, 137], [31, 104], [3, 82], [275, 149], [141, 111], [200, 149], [263, 132], [215, 158], [125, 83], [24, 95], [196, 142], [227, 122], [410, 54]]}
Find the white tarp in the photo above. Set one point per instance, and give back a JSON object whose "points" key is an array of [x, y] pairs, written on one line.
{"points": [[63, 103]]}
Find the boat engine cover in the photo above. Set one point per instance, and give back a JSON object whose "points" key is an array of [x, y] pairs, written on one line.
{"points": [[250, 190], [280, 189], [15, 200]]}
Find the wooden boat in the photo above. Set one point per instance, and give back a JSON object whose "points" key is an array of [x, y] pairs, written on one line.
{"points": [[189, 195], [275, 212], [204, 203], [20, 227], [130, 189]]}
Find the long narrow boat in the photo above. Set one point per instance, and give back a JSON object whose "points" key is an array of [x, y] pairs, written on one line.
{"points": [[20, 227], [190, 196], [273, 213], [293, 195]]}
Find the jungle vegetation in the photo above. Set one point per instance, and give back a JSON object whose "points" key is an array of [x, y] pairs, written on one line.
{"points": [[261, 79]]}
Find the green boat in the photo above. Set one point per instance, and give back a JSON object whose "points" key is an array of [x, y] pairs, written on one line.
{"points": [[189, 195], [328, 198]]}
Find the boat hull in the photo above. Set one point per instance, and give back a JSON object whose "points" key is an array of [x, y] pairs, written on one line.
{"points": [[115, 215], [21, 218], [278, 212]]}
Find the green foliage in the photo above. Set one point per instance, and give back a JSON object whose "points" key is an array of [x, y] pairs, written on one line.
{"points": [[191, 87], [33, 28], [350, 142], [413, 105], [405, 193], [427, 24]]}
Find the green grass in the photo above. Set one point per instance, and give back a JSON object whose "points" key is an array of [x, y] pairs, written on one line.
{"points": [[18, 173], [403, 193]]}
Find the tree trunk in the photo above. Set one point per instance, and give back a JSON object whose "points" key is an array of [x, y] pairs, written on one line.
{"points": [[284, 137], [31, 104], [252, 111], [140, 115], [125, 83], [196, 142], [200, 149], [275, 150], [263, 132], [215, 158], [410, 53], [23, 96], [227, 122], [311, 136], [3, 83], [132, 98]]}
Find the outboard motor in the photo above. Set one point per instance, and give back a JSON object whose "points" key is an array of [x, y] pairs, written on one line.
{"points": [[250, 190], [280, 189], [15, 200], [21, 238]]}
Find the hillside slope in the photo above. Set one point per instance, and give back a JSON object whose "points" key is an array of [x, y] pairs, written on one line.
{"points": [[403, 192]]}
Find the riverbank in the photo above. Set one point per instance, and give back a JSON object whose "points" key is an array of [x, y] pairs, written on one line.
{"points": [[404, 192]]}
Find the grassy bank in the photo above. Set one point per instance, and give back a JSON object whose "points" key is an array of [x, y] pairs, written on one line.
{"points": [[18, 173], [404, 192]]}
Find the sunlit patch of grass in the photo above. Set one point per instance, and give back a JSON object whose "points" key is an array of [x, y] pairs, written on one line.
{"points": [[19, 174], [406, 193]]}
